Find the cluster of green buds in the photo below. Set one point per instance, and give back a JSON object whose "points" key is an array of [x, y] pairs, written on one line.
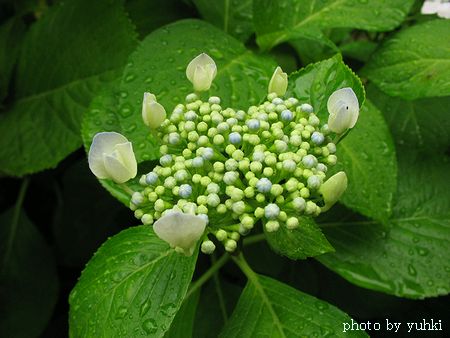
{"points": [[223, 171]]}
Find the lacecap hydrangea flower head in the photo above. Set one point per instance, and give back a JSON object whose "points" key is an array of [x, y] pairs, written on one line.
{"points": [[223, 171]]}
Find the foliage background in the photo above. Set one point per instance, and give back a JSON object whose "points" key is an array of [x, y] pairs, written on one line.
{"points": [[62, 60]]}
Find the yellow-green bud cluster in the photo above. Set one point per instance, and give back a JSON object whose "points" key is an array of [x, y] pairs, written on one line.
{"points": [[237, 168]]}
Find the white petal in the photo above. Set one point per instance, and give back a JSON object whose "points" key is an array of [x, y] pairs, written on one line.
{"points": [[333, 188], [343, 107], [101, 144], [279, 82], [201, 60], [430, 7], [444, 11], [202, 80], [128, 158], [153, 114], [180, 230], [115, 168]]}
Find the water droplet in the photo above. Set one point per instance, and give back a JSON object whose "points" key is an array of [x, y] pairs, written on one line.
{"points": [[422, 251], [148, 80], [131, 128], [123, 94], [149, 326], [121, 312], [125, 111], [145, 306], [164, 42], [141, 145], [129, 78], [411, 270]]}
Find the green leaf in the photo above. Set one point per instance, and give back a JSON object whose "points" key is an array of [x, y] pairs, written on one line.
{"points": [[183, 323], [235, 18], [279, 21], [268, 308], [66, 58], [423, 124], [305, 241], [316, 82], [360, 50], [413, 63], [367, 155], [28, 279], [408, 255], [11, 36], [241, 81], [134, 285], [312, 46], [150, 15]]}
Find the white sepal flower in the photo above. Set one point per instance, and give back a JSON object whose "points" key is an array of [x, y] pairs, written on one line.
{"points": [[201, 71], [332, 189], [279, 82], [439, 7], [111, 156], [153, 113], [180, 230], [343, 107]]}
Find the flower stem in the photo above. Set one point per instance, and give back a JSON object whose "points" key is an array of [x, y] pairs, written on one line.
{"points": [[219, 292], [340, 137], [127, 189], [254, 239], [208, 274]]}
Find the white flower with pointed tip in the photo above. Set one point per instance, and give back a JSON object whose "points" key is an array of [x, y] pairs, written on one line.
{"points": [[182, 231], [332, 189], [343, 107], [111, 156], [279, 82], [201, 71], [153, 113], [439, 7]]}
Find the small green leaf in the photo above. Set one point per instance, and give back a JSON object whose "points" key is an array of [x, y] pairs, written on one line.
{"points": [[268, 308], [313, 46], [183, 323], [134, 285], [414, 63], [360, 50], [408, 255], [283, 20], [66, 58], [367, 155], [305, 241], [235, 18], [28, 278], [11, 36], [423, 124], [316, 82]]}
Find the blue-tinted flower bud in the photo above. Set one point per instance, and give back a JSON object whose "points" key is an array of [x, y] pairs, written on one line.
{"points": [[271, 211], [185, 191]]}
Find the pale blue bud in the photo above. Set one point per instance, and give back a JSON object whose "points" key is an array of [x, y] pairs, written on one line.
{"points": [[277, 101], [313, 182], [213, 188], [185, 191], [174, 138], [235, 138], [198, 162], [151, 178], [317, 138], [271, 211], [208, 153], [307, 108], [264, 185], [190, 116], [181, 175], [258, 156], [309, 161], [253, 124], [165, 160], [214, 100], [137, 198], [287, 115]]}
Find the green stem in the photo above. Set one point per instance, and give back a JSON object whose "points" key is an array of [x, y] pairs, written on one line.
{"points": [[340, 137], [207, 275], [15, 220], [219, 292], [127, 189]]}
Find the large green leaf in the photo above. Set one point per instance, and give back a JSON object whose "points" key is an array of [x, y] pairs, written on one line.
{"points": [[28, 279], [414, 63], [367, 151], [66, 58], [408, 255], [316, 82], [134, 285], [367, 155], [268, 308], [283, 20], [11, 36], [422, 124], [242, 80], [305, 241], [234, 17], [183, 323]]}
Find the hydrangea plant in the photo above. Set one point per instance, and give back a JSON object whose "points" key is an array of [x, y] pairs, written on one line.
{"points": [[224, 171]]}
